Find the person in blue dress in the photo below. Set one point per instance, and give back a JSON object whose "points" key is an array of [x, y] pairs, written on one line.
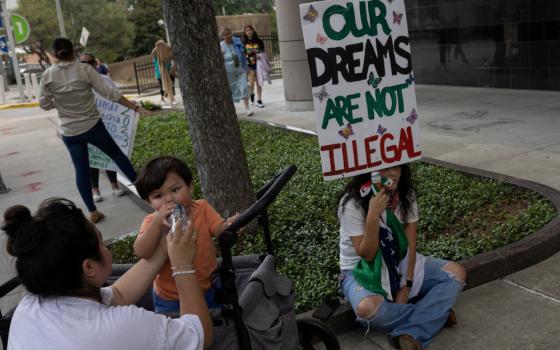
{"points": [[236, 68]]}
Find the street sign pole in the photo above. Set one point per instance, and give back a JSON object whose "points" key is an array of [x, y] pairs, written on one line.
{"points": [[12, 45], [4, 49], [60, 19]]}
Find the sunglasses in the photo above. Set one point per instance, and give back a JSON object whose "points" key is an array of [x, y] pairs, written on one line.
{"points": [[88, 62]]}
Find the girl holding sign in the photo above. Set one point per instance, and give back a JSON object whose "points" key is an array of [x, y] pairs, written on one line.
{"points": [[67, 86], [380, 269]]}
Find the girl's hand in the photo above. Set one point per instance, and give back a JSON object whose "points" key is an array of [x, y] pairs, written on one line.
{"points": [[163, 213], [378, 203], [143, 111], [181, 246], [402, 296]]}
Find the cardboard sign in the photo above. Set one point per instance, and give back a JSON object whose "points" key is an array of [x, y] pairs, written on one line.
{"points": [[120, 122], [363, 86]]}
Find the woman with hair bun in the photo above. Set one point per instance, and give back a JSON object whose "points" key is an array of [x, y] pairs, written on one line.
{"points": [[62, 262], [67, 86]]}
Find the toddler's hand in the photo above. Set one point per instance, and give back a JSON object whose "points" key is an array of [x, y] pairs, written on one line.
{"points": [[231, 220], [163, 213]]}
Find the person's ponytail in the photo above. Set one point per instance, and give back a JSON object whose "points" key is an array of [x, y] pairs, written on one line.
{"points": [[22, 229]]}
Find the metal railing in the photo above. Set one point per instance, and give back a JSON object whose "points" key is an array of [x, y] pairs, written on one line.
{"points": [[145, 74], [145, 77]]}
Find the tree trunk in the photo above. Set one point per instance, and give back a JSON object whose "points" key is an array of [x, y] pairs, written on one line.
{"points": [[3, 188], [213, 126]]}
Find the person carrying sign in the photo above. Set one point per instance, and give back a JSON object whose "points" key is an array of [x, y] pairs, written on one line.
{"points": [[164, 70], [67, 86], [360, 63], [89, 58], [381, 272]]}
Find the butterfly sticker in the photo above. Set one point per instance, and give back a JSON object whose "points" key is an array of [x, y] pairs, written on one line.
{"points": [[373, 81], [381, 130], [397, 17], [321, 39], [321, 95], [346, 131], [311, 14], [410, 79], [412, 116]]}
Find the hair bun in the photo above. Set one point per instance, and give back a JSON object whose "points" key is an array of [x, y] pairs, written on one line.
{"points": [[16, 218]]}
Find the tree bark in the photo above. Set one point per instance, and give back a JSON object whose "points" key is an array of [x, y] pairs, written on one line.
{"points": [[213, 126], [3, 188]]}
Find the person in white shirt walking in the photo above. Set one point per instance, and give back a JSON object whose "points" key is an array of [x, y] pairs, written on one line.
{"points": [[67, 86]]}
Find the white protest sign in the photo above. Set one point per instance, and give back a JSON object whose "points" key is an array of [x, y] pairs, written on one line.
{"points": [[84, 37], [120, 122], [363, 85]]}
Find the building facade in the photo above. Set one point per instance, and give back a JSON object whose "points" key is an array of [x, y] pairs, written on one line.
{"points": [[488, 43]]}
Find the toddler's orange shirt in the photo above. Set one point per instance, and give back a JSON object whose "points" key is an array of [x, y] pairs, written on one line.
{"points": [[205, 221]]}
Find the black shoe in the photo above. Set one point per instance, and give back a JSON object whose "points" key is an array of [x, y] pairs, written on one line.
{"points": [[252, 98], [260, 104]]}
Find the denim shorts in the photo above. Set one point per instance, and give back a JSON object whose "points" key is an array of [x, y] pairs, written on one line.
{"points": [[164, 306]]}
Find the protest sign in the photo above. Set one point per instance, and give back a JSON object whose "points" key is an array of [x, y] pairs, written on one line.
{"points": [[363, 86], [120, 122]]}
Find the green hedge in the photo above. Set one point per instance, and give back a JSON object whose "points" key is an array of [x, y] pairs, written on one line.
{"points": [[461, 215]]}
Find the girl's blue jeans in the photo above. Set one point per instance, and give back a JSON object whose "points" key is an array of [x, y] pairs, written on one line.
{"points": [[422, 320], [78, 148]]}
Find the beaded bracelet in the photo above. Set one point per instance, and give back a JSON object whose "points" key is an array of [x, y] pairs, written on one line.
{"points": [[183, 272], [184, 267]]}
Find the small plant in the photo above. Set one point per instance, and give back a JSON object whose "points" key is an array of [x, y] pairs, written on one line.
{"points": [[149, 105]]}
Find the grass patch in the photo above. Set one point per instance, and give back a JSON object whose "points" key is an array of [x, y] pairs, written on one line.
{"points": [[460, 215]]}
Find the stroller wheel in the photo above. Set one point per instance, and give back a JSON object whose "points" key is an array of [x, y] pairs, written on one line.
{"points": [[315, 334]]}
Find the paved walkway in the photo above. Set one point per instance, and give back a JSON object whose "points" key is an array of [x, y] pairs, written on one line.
{"points": [[513, 132]]}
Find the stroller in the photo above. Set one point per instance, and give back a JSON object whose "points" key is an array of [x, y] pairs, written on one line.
{"points": [[257, 310]]}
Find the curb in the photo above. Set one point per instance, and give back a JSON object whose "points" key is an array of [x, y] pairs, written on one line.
{"points": [[19, 105]]}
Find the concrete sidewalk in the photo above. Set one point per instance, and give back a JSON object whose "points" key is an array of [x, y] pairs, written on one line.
{"points": [[513, 132], [35, 165]]}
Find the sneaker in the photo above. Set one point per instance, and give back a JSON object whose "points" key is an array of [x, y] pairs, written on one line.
{"points": [[260, 104], [96, 216], [119, 192], [252, 99], [249, 113], [97, 197]]}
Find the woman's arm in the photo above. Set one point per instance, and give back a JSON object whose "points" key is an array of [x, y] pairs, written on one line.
{"points": [[366, 245], [181, 248], [411, 230], [131, 286], [46, 100]]}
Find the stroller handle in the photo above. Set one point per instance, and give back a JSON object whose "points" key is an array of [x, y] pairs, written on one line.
{"points": [[266, 196]]}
